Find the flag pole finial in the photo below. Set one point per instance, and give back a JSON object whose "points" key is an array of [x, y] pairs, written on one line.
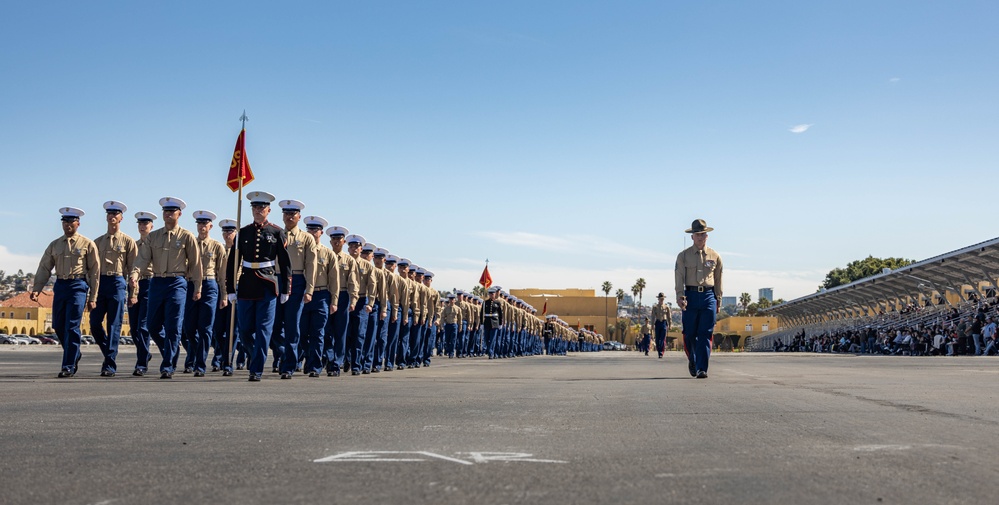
{"points": [[244, 119]]}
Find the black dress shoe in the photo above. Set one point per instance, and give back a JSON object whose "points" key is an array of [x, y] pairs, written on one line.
{"points": [[275, 370], [298, 369], [691, 369], [239, 367], [254, 378], [65, 373], [313, 374], [107, 373], [138, 373], [376, 370], [199, 373], [701, 374], [215, 368], [166, 375], [333, 373], [285, 375], [188, 369], [366, 372], [355, 372], [226, 373]]}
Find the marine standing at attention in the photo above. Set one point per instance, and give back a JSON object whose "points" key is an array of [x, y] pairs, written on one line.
{"points": [[698, 278]]}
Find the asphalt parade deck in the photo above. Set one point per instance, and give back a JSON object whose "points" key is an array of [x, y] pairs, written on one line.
{"points": [[610, 427]]}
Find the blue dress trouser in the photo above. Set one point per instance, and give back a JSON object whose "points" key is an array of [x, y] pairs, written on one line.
{"points": [[287, 327], [68, 301], [382, 338], [450, 334], [222, 356], [167, 296], [358, 329], [256, 324], [405, 321], [699, 326], [315, 314], [201, 314], [111, 294], [335, 340], [415, 343], [660, 332], [429, 342], [139, 326], [392, 342], [367, 357]]}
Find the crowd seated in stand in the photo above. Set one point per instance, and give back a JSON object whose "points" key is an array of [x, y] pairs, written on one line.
{"points": [[969, 328]]}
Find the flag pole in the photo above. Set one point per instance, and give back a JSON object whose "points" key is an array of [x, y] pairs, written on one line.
{"points": [[236, 263]]}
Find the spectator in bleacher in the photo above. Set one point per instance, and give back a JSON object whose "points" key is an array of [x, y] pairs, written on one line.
{"points": [[939, 341], [976, 330]]}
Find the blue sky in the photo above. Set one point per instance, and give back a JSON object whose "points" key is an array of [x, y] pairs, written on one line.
{"points": [[568, 142]]}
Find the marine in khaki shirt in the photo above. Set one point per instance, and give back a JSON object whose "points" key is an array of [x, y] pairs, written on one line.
{"points": [[698, 267], [327, 276], [72, 256], [301, 246], [406, 288], [434, 300], [213, 260], [117, 251], [171, 251], [367, 285], [450, 314], [346, 267]]}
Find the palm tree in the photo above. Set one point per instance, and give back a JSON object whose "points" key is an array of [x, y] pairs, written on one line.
{"points": [[745, 300], [606, 288], [619, 295], [634, 291], [640, 284]]}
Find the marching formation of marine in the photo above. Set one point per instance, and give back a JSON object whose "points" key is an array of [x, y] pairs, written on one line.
{"points": [[313, 308]]}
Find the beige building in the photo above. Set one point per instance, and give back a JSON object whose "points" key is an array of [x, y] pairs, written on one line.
{"points": [[578, 307], [18, 314], [736, 329]]}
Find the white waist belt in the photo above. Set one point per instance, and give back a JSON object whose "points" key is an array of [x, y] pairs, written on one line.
{"points": [[262, 264]]}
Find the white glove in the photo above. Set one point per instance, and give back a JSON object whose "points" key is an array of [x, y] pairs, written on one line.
{"points": [[284, 298], [231, 297]]}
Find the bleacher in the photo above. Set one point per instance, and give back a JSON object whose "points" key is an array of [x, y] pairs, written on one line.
{"points": [[925, 293]]}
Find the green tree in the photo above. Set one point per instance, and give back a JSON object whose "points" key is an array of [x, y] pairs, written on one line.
{"points": [[634, 292], [640, 284], [620, 295], [479, 291], [745, 299], [606, 287], [860, 269]]}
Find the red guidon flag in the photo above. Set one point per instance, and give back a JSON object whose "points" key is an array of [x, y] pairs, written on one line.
{"points": [[544, 311], [239, 169], [485, 279]]}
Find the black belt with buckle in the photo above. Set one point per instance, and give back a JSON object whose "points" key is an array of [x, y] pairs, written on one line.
{"points": [[699, 289]]}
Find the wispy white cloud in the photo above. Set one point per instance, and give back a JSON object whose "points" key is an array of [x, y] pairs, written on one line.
{"points": [[577, 244], [11, 263], [893, 80], [800, 128]]}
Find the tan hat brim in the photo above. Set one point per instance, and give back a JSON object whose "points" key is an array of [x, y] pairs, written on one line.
{"points": [[705, 230]]}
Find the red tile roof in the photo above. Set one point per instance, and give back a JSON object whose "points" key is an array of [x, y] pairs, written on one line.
{"points": [[23, 300]]}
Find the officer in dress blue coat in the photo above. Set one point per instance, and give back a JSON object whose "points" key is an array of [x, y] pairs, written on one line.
{"points": [[260, 246]]}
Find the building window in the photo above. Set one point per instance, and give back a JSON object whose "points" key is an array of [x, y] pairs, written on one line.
{"points": [[749, 326], [3, 315], [27, 315], [765, 327]]}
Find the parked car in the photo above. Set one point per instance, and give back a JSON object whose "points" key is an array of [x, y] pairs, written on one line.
{"points": [[27, 339], [48, 340], [9, 340], [88, 339], [614, 345], [125, 341]]}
